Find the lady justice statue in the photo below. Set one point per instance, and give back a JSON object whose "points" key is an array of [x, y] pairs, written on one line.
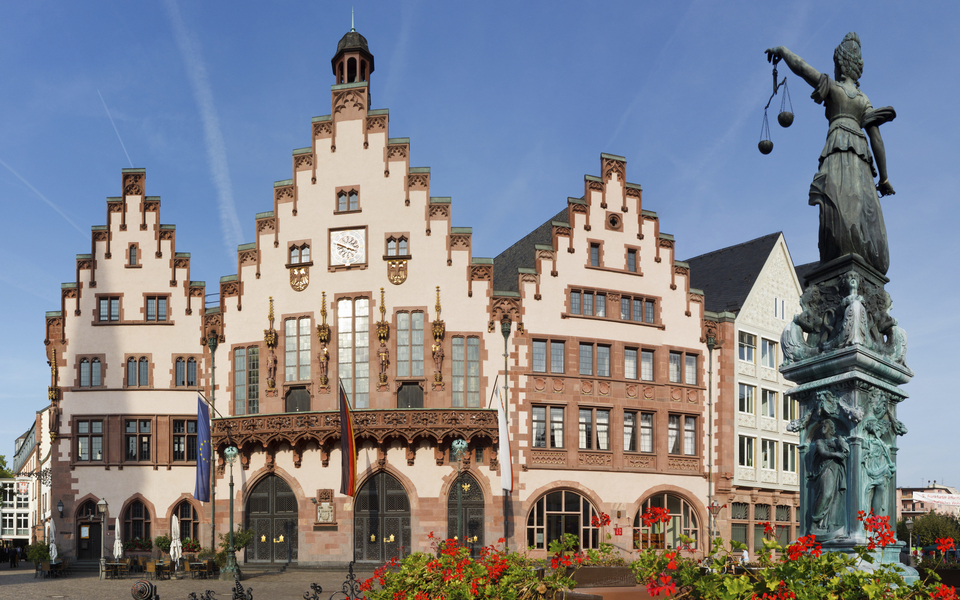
{"points": [[851, 221]]}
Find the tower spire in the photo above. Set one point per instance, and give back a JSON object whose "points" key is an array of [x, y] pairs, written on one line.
{"points": [[351, 19]]}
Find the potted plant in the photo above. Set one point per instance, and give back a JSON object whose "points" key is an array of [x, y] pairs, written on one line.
{"points": [[162, 542], [602, 566], [138, 547]]}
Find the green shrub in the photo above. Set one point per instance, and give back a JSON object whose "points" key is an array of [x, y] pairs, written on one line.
{"points": [[163, 542]]}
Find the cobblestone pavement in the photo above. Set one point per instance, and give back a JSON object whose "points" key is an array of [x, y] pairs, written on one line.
{"points": [[20, 584]]}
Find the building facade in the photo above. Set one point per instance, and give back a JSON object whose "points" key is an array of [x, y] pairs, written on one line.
{"points": [[911, 507], [588, 326]]}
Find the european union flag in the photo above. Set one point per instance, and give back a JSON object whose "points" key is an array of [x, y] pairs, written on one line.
{"points": [[202, 490]]}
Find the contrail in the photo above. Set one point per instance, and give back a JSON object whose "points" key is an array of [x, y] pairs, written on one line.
{"points": [[44, 198], [114, 127], [216, 151]]}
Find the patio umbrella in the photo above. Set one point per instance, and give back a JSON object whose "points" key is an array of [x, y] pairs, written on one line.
{"points": [[176, 548], [117, 544], [53, 541]]}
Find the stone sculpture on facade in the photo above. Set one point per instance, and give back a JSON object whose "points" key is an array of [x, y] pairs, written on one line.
{"points": [[829, 477]]}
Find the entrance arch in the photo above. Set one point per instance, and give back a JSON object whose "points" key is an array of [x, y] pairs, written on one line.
{"points": [[89, 532], [272, 514], [381, 525], [472, 514]]}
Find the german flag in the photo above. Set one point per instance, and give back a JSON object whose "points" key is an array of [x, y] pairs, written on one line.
{"points": [[348, 447]]}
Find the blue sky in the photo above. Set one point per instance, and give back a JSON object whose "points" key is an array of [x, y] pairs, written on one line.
{"points": [[509, 103]]}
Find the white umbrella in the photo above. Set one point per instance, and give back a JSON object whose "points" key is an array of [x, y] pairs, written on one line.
{"points": [[53, 541], [117, 543], [176, 548]]}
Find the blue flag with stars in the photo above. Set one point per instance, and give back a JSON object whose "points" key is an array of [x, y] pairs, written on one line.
{"points": [[202, 490]]}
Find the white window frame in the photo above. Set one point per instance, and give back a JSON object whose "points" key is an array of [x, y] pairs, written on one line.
{"points": [[749, 444], [768, 407], [768, 353], [768, 454], [751, 399], [746, 351]]}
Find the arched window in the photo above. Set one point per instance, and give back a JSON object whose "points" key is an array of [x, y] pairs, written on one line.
{"points": [[144, 372], [96, 379], [391, 247], [351, 70], [560, 512], [354, 200], [683, 521], [305, 253], [192, 372], [363, 70], [294, 255], [181, 372], [467, 525], [88, 510], [342, 201], [189, 520], [131, 372], [133, 255], [84, 373], [136, 522], [403, 247]]}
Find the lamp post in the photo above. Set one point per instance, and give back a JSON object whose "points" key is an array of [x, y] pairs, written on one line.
{"points": [[909, 525], [505, 324], [212, 341], [102, 510], [711, 344], [60, 508], [715, 508], [230, 569], [458, 448]]}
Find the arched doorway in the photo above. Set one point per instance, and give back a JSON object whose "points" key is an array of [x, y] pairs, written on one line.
{"points": [[272, 514], [683, 521], [89, 533], [471, 499], [381, 526]]}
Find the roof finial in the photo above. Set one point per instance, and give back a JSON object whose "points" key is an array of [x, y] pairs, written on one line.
{"points": [[351, 19]]}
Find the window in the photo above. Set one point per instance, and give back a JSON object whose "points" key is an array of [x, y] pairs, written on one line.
{"points": [[594, 254], [156, 308], [353, 358], [186, 372], [791, 408], [746, 451], [556, 357], [630, 363], [690, 369], [410, 344], [646, 432], [629, 432], [594, 429], [747, 393], [603, 361], [466, 372], [184, 440], [397, 246], [588, 303], [632, 260], [575, 303], [539, 356], [136, 522], [559, 512], [89, 440], [768, 403], [542, 436], [586, 359], [768, 354], [790, 457], [688, 446], [189, 520], [137, 433], [675, 358], [109, 308], [296, 340], [348, 200], [768, 454], [683, 521], [300, 254], [639, 310], [138, 372], [601, 309], [410, 395], [133, 256], [646, 365], [748, 343], [91, 373]]}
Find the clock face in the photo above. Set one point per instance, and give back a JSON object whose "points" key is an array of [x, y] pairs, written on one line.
{"points": [[347, 247]]}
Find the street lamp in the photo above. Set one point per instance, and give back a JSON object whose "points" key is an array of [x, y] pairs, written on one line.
{"points": [[230, 569], [458, 448], [505, 325], [60, 508], [102, 510], [909, 525], [212, 341], [715, 508]]}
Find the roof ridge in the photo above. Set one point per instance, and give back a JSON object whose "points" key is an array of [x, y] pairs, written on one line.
{"points": [[775, 234]]}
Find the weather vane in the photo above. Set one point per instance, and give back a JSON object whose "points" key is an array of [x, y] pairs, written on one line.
{"points": [[785, 118]]}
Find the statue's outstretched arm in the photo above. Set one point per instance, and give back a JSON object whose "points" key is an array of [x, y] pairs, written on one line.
{"points": [[880, 156], [796, 64]]}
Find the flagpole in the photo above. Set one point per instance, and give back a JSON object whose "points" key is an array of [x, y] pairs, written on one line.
{"points": [[212, 342], [505, 324]]}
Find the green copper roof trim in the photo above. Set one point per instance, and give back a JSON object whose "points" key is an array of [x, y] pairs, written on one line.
{"points": [[248, 246], [592, 178], [212, 310], [526, 270], [53, 313], [133, 170], [398, 140], [461, 230], [478, 260], [724, 317], [378, 111], [547, 247], [198, 284], [228, 278], [265, 215], [635, 186], [68, 286], [320, 119], [572, 200], [349, 86], [419, 170], [98, 228], [84, 256], [649, 213], [153, 198], [181, 255], [505, 294], [169, 227], [439, 199], [680, 263], [666, 236], [613, 156], [114, 198], [282, 183], [299, 151], [560, 224], [696, 291]]}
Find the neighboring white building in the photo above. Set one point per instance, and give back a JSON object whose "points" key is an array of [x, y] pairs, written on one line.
{"points": [[753, 291]]}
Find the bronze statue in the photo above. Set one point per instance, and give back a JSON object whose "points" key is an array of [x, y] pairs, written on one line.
{"points": [[830, 478], [851, 221]]}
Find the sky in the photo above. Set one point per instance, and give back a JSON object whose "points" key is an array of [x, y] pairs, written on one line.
{"points": [[509, 103]]}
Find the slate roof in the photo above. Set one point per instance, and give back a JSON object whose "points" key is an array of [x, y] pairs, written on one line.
{"points": [[727, 275], [522, 254], [804, 270]]}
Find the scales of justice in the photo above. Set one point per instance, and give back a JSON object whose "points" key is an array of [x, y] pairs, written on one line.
{"points": [[844, 352]]}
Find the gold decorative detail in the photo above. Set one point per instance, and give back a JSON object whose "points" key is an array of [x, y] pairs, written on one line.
{"points": [[439, 327], [270, 335], [270, 338], [323, 330], [396, 271], [466, 487], [299, 278], [383, 328], [263, 538]]}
